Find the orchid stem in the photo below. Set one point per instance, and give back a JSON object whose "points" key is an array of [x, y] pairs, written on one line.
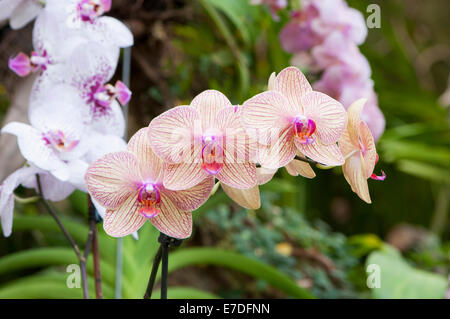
{"points": [[74, 245], [306, 160], [93, 232], [162, 253]]}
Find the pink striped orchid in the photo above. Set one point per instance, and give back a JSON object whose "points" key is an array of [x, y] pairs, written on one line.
{"points": [[129, 185], [291, 118], [358, 146], [204, 139]]}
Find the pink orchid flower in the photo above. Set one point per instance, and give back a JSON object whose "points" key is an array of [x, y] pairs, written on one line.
{"points": [[204, 139], [358, 146], [130, 186], [292, 117]]}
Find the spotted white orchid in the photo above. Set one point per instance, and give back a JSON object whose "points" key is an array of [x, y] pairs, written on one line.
{"points": [[86, 17], [54, 140], [52, 188], [19, 12]]}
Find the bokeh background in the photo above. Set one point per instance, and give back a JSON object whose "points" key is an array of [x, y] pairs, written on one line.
{"points": [[310, 236]]}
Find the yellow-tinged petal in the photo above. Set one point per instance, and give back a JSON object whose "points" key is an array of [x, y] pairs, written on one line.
{"points": [[247, 198], [297, 167], [370, 152], [354, 118], [354, 173]]}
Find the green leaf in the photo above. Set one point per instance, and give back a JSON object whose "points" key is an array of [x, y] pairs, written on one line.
{"points": [[427, 171], [219, 257], [400, 280]]}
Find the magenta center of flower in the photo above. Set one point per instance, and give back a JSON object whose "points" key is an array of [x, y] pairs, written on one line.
{"points": [[304, 128], [149, 196], [212, 155], [89, 10], [58, 141]]}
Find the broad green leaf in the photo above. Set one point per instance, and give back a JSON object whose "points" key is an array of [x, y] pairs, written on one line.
{"points": [[400, 280]]}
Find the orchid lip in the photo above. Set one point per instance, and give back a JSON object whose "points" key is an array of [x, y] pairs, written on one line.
{"points": [[149, 196], [59, 141], [304, 128], [212, 155]]}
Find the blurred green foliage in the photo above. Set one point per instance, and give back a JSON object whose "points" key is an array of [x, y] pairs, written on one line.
{"points": [[311, 237]]}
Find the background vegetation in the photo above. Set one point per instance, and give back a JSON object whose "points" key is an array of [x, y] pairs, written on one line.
{"points": [[311, 238]]}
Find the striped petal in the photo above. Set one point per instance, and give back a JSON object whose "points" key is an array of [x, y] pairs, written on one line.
{"points": [[192, 198], [329, 115], [208, 104], [183, 176], [247, 198], [172, 221], [124, 220], [264, 113], [171, 133], [297, 167], [346, 145], [328, 155], [150, 165], [238, 146], [280, 152], [238, 175], [112, 179], [353, 170], [292, 83], [354, 118]]}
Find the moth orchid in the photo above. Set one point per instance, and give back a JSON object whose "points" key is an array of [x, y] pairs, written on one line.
{"points": [[19, 12], [130, 185], [85, 17], [358, 146], [204, 139], [52, 188], [292, 117], [85, 84], [54, 140]]}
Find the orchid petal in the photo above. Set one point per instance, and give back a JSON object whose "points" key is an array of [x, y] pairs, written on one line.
{"points": [[328, 114], [292, 83], [20, 64], [6, 216], [183, 176], [150, 165], [208, 104], [370, 153], [115, 32], [112, 179], [266, 114], [172, 221], [238, 175], [123, 93], [353, 170], [125, 219], [328, 155], [297, 167], [264, 175], [280, 152], [24, 13], [247, 198], [171, 134], [53, 189], [354, 118], [192, 198]]}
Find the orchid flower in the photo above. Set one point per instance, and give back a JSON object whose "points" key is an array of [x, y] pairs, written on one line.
{"points": [[54, 140], [52, 188], [85, 84], [204, 139], [85, 17], [19, 12], [294, 118], [358, 146], [130, 185], [274, 6]]}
